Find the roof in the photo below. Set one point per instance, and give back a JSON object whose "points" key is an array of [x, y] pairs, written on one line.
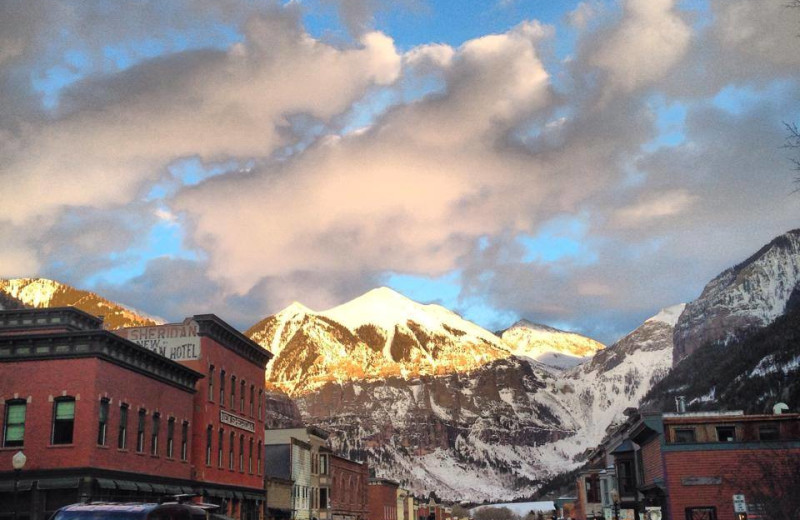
{"points": [[71, 319], [211, 325], [625, 447]]}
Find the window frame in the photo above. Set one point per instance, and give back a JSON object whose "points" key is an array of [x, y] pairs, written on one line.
{"points": [[732, 429], [63, 427], [185, 441], [170, 437], [140, 425], [154, 433], [222, 388], [211, 369], [6, 423], [679, 432], [102, 421], [122, 431]]}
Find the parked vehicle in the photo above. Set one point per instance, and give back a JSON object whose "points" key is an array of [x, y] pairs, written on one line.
{"points": [[137, 511]]}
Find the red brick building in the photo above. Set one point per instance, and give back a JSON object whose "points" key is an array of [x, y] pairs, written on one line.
{"points": [[382, 499], [101, 417], [689, 466], [349, 483]]}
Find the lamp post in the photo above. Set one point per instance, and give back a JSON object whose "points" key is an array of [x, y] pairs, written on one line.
{"points": [[615, 500], [17, 462]]}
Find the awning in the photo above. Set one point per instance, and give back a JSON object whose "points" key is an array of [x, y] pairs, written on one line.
{"points": [[187, 489], [127, 485], [59, 483], [22, 485], [105, 483], [254, 496], [238, 494], [175, 490], [144, 486], [159, 488]]}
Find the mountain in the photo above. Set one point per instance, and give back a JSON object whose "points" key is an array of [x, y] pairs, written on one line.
{"points": [[743, 298], [42, 293], [751, 374], [377, 335], [550, 346], [440, 404]]}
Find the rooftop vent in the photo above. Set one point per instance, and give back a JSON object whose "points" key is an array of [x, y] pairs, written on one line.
{"points": [[680, 404]]}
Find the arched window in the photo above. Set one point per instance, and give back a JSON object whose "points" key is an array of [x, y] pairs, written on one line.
{"points": [[241, 396], [220, 448], [250, 458], [233, 392], [241, 453], [230, 451], [209, 435], [63, 420]]}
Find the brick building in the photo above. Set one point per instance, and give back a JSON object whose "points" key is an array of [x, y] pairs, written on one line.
{"points": [[349, 480], [382, 499], [691, 465], [101, 417], [229, 407]]}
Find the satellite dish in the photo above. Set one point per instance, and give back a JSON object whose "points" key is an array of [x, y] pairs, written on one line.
{"points": [[779, 408]]}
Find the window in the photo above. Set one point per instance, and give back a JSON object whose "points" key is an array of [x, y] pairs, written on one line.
{"points": [[140, 430], [241, 397], [184, 440], [701, 513], [102, 427], [592, 489], [220, 447], [323, 498], [323, 464], [260, 393], [14, 431], [211, 383], [252, 399], [209, 435], [222, 388], [250, 458], [258, 459], [726, 433], [683, 435], [170, 437], [626, 477], [63, 420], [230, 451], [241, 453], [154, 434], [768, 433], [233, 393], [122, 437]]}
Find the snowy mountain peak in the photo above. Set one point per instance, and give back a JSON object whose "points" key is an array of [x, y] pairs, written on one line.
{"points": [[669, 315], [296, 309], [525, 324], [553, 347]]}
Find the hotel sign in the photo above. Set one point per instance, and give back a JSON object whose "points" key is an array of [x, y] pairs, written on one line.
{"points": [[178, 342], [236, 421]]}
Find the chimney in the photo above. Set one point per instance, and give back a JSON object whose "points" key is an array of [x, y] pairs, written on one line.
{"points": [[680, 404]]}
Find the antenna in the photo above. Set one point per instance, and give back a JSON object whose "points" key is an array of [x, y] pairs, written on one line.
{"points": [[680, 404]]}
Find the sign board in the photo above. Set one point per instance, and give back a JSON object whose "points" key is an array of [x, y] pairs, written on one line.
{"points": [[178, 342], [701, 481], [739, 505], [236, 421]]}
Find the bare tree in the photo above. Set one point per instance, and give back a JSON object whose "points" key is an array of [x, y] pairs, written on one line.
{"points": [[494, 513], [793, 141], [770, 481]]}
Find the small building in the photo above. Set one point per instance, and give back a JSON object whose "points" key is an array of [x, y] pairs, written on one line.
{"points": [[382, 499]]}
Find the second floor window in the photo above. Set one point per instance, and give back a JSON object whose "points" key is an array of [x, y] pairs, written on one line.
{"points": [[185, 440], [222, 388], [140, 431], [241, 453], [14, 431], [230, 451], [63, 420], [258, 459], [154, 434], [220, 447], [241, 397], [122, 437], [233, 392], [170, 437], [102, 427], [209, 435], [252, 399]]}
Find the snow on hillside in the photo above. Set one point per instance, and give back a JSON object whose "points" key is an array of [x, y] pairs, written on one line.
{"points": [[553, 347]]}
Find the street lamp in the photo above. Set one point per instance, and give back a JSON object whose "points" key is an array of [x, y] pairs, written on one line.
{"points": [[615, 500], [17, 462]]}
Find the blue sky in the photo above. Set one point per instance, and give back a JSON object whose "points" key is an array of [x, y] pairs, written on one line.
{"points": [[580, 163]]}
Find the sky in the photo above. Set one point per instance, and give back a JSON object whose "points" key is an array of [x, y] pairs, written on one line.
{"points": [[577, 163]]}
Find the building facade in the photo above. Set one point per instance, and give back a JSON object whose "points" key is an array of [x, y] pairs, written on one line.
{"points": [[101, 416], [349, 480], [382, 499], [695, 466]]}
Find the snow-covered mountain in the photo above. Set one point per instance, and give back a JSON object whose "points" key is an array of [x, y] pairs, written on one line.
{"points": [[440, 404], [742, 298], [377, 335], [43, 293], [550, 346]]}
